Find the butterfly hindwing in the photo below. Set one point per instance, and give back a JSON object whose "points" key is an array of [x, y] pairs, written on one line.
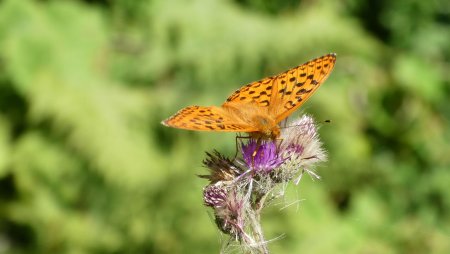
{"points": [[205, 119]]}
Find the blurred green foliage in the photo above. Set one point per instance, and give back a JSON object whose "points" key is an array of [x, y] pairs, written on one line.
{"points": [[85, 166]]}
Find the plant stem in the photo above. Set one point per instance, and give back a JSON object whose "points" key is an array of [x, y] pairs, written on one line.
{"points": [[256, 229]]}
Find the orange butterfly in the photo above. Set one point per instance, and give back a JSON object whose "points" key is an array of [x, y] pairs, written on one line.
{"points": [[258, 107]]}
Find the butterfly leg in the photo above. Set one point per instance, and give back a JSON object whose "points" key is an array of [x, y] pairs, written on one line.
{"points": [[237, 144]]}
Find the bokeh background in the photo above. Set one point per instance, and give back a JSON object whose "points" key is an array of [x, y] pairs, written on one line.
{"points": [[86, 167]]}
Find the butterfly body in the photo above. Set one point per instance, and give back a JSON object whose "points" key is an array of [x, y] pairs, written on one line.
{"points": [[263, 124], [258, 107]]}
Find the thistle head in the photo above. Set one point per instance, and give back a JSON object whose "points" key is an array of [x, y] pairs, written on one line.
{"points": [[238, 186]]}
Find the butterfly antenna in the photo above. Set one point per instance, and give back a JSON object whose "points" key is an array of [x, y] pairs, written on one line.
{"points": [[304, 124], [296, 125]]}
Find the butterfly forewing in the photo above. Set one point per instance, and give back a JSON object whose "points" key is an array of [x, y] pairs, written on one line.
{"points": [[298, 84], [258, 92], [287, 91]]}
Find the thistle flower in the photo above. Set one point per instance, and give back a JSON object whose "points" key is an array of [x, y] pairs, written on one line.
{"points": [[228, 209], [239, 187], [214, 196], [221, 168], [261, 156], [300, 136], [302, 146]]}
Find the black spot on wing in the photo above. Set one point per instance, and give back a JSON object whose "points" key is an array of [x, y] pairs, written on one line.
{"points": [[289, 105], [265, 103], [303, 91]]}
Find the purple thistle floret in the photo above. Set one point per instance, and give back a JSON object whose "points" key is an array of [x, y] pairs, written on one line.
{"points": [[261, 157]]}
